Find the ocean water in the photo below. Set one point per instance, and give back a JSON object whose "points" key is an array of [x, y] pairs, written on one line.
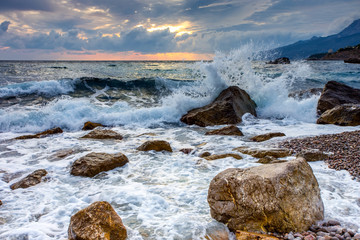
{"points": [[157, 195]]}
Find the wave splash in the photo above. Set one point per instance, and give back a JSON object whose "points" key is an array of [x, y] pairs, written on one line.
{"points": [[268, 86]]}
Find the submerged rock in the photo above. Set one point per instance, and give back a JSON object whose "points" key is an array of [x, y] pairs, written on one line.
{"points": [[227, 108], [260, 153], [30, 180], [280, 197], [219, 156], [99, 221], [186, 150], [91, 125], [103, 134], [94, 163], [228, 130], [42, 134], [343, 115], [334, 94], [282, 60], [312, 155], [155, 145], [267, 136]]}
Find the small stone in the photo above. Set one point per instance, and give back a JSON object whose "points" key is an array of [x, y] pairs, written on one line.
{"points": [[30, 180], [103, 134], [298, 235], [289, 236], [155, 145], [204, 154], [339, 237], [310, 237], [356, 236], [333, 223], [91, 125], [320, 238], [352, 234], [186, 150], [267, 136], [0, 202], [347, 235], [228, 131], [42, 134], [321, 233], [219, 156]]}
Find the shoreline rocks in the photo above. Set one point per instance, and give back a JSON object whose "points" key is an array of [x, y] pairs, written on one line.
{"points": [[227, 108], [103, 134], [260, 153], [227, 131], [281, 197], [155, 145], [267, 136], [334, 94], [220, 156], [343, 115], [91, 125], [41, 134], [94, 163], [30, 180], [97, 221]]}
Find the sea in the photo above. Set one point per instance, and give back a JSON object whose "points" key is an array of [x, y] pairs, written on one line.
{"points": [[158, 195]]}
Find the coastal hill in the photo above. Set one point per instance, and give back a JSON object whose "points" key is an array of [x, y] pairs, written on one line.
{"points": [[341, 54], [350, 36]]}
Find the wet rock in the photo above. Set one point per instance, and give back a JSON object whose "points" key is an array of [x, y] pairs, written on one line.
{"points": [[267, 136], [91, 125], [334, 94], [331, 223], [204, 154], [282, 60], [343, 115], [99, 221], [155, 145], [352, 60], [280, 197], [303, 94], [217, 232], [219, 156], [103, 134], [186, 150], [269, 159], [61, 154], [261, 153], [312, 155], [42, 134], [94, 163], [229, 130], [243, 235], [30, 180], [1, 203], [227, 108]]}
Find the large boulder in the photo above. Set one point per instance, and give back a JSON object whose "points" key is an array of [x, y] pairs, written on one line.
{"points": [[227, 108], [155, 145], [42, 134], [280, 197], [344, 115], [99, 221], [94, 163], [227, 131], [334, 94], [30, 180], [103, 134]]}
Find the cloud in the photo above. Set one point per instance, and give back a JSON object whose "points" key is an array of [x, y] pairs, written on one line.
{"points": [[26, 5], [4, 26]]}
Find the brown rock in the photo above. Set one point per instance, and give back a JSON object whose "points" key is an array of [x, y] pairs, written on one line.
{"points": [[204, 154], [343, 115], [303, 94], [90, 125], [186, 150], [156, 145], [42, 134], [99, 221], [219, 156], [269, 159], [260, 153], [94, 163], [243, 235], [281, 60], [229, 130], [312, 155], [267, 136], [1, 203], [227, 108], [30, 180], [103, 134], [279, 197], [334, 94]]}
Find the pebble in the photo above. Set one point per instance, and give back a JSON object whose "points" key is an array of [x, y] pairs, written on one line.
{"points": [[357, 236]]}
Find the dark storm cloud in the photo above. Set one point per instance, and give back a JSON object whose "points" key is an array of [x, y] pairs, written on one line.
{"points": [[25, 5], [4, 26]]}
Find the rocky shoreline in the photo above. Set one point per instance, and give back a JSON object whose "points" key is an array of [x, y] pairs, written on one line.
{"points": [[343, 148]]}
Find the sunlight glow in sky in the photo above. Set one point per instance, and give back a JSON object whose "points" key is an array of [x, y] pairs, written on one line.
{"points": [[161, 29]]}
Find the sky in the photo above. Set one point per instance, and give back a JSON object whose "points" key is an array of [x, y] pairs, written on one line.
{"points": [[161, 29]]}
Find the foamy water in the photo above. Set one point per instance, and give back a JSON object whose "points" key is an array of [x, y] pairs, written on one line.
{"points": [[157, 195]]}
